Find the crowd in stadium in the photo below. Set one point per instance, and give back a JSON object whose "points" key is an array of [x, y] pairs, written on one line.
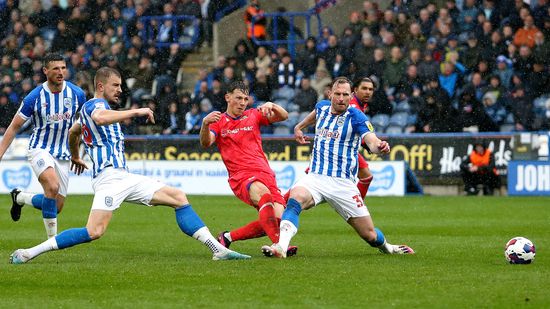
{"points": [[468, 65]]}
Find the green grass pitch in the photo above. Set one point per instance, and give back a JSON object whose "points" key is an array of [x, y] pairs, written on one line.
{"points": [[144, 261]]}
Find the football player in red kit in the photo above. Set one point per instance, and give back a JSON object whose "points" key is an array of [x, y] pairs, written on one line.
{"points": [[237, 135]]}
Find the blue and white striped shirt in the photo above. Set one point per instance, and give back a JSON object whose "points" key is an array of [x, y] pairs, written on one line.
{"points": [[52, 115], [104, 144], [337, 141]]}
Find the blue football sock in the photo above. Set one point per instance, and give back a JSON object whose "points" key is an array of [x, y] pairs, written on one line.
{"points": [[380, 238], [71, 237], [37, 201], [292, 211], [49, 208], [188, 220]]}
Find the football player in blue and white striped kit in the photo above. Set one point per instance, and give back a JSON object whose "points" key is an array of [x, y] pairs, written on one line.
{"points": [[339, 131], [52, 108], [111, 180]]}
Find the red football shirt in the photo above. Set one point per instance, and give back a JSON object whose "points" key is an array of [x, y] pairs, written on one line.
{"points": [[239, 142], [354, 102]]}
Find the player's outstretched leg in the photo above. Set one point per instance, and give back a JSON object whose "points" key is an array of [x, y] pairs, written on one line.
{"points": [[65, 239], [190, 223], [388, 248], [288, 228], [20, 199]]}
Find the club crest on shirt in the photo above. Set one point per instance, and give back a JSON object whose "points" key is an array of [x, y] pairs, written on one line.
{"points": [[108, 201], [243, 118], [370, 126], [340, 121], [67, 102]]}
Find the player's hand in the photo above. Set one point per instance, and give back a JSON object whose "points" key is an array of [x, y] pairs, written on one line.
{"points": [[300, 137], [78, 166], [266, 109], [147, 112], [212, 117], [384, 147]]}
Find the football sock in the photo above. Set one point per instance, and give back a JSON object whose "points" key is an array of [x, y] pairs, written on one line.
{"points": [[251, 230], [188, 220], [49, 215], [71, 237], [24, 198], [190, 223], [380, 242], [289, 223], [46, 246], [267, 218], [363, 186]]}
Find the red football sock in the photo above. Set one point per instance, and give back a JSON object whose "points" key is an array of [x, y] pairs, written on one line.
{"points": [[363, 186], [266, 214], [252, 230]]}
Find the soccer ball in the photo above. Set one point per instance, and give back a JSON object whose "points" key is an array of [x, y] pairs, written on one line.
{"points": [[519, 250]]}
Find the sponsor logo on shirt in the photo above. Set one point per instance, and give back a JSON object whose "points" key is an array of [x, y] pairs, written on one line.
{"points": [[226, 132], [58, 117], [329, 134]]}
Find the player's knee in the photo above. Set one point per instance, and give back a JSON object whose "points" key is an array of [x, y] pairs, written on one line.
{"points": [[180, 197], [51, 190], [96, 232]]}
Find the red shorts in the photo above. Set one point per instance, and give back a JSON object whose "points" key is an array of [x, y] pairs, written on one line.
{"points": [[362, 162], [240, 183]]}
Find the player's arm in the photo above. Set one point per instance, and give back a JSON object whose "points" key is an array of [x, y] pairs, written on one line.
{"points": [[306, 122], [375, 144], [105, 117], [207, 137], [77, 164], [273, 112], [14, 127]]}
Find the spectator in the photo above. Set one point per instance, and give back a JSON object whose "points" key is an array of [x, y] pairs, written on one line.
{"points": [[521, 106], [321, 79], [435, 115], [173, 120], [408, 84], [427, 69], [262, 60], [526, 35], [144, 79], [192, 120], [538, 80], [286, 72], [218, 100], [253, 11], [472, 116], [306, 97], [467, 18], [504, 70], [394, 68], [495, 110], [479, 169], [7, 110]]}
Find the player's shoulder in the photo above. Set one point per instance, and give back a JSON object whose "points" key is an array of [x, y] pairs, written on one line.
{"points": [[322, 103], [96, 103], [34, 94]]}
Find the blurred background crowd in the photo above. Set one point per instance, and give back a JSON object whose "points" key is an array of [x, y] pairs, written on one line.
{"points": [[454, 66]]}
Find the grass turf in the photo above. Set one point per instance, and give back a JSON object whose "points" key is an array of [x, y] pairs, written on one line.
{"points": [[145, 261]]}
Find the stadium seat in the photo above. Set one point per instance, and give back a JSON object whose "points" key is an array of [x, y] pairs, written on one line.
{"points": [[509, 119], [411, 119], [380, 121], [507, 128], [399, 119], [281, 130], [392, 129], [403, 107]]}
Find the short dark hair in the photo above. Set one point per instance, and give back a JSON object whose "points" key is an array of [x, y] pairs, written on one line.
{"points": [[51, 57], [238, 85], [103, 74], [363, 80]]}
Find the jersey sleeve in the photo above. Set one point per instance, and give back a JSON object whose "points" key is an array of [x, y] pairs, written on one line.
{"points": [[91, 106], [360, 122], [215, 128], [27, 106], [262, 120]]}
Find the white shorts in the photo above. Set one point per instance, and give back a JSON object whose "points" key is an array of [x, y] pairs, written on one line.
{"points": [[340, 193], [116, 185], [41, 159]]}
